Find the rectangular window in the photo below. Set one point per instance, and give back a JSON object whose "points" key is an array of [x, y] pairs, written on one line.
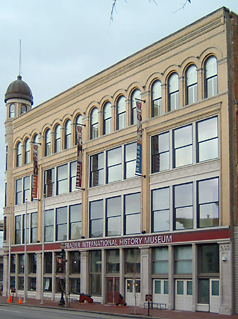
{"points": [[49, 225], [160, 152], [95, 272], [18, 229], [183, 206], [160, 260], [49, 182], [25, 232], [130, 160], [21, 263], [132, 261], [19, 191], [183, 260], [34, 224], [132, 205], [157, 287], [5, 228], [61, 223], [96, 218], [207, 139], [62, 179], [183, 146], [114, 165], [113, 261], [75, 285], [209, 259], [208, 203], [74, 262], [97, 169], [26, 189], [73, 173], [113, 219], [32, 258], [203, 291], [48, 263], [189, 288], [75, 221], [160, 210], [5, 195]]}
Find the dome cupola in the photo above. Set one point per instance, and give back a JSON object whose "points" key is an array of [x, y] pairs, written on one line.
{"points": [[18, 89]]}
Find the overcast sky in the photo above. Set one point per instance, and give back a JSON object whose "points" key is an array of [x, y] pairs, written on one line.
{"points": [[64, 42]]}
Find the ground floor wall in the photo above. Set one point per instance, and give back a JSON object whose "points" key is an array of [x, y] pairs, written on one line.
{"points": [[191, 275]]}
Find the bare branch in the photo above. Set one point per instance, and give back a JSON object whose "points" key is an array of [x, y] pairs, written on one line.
{"points": [[183, 5]]}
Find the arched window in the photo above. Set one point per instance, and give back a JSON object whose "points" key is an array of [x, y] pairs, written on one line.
{"points": [[107, 118], [191, 84], [79, 121], [135, 95], [211, 81], [23, 109], [47, 143], [27, 151], [36, 139], [18, 159], [121, 112], [156, 99], [94, 123], [12, 111], [173, 92], [57, 139], [67, 141]]}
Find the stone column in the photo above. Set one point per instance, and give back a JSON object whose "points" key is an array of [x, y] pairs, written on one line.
{"points": [[171, 278], [84, 278], [38, 275], [145, 274]]}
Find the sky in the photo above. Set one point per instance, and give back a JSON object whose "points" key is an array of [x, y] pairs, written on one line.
{"points": [[63, 42]]}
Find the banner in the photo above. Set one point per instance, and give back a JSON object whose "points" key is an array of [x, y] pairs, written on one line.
{"points": [[35, 171], [139, 138], [79, 156]]}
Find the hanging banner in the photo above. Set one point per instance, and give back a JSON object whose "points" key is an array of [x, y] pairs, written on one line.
{"points": [[79, 156], [139, 138], [35, 171]]}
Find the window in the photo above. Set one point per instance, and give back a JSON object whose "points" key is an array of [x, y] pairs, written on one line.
{"points": [[156, 99], [114, 159], [18, 191], [183, 260], [12, 111], [135, 95], [113, 261], [49, 225], [73, 173], [160, 260], [160, 210], [95, 272], [49, 182], [191, 85], [57, 139], [132, 261], [97, 169], [62, 179], [183, 206], [207, 139], [21, 263], [75, 221], [67, 135], [23, 108], [173, 87], [183, 146], [75, 262], [79, 121], [208, 203], [160, 152], [25, 232], [61, 223], [6, 158], [75, 285], [121, 112], [113, 219], [132, 214], [26, 189], [36, 139], [32, 263], [107, 118], [18, 229], [211, 80], [13, 264], [5, 195], [5, 228], [48, 263], [27, 151], [96, 218], [130, 160], [34, 224], [18, 159], [94, 123], [209, 259], [47, 143]]}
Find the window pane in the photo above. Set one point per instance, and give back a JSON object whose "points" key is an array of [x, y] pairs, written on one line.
{"points": [[133, 224], [156, 96], [179, 287], [157, 287], [121, 112], [203, 288], [189, 288], [215, 288], [209, 258], [166, 287]]}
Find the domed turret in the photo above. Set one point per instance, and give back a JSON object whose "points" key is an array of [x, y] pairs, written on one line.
{"points": [[20, 90]]}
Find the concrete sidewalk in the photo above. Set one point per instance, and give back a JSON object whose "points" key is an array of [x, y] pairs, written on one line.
{"points": [[128, 312]]}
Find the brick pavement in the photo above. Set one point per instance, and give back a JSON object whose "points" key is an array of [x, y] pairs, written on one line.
{"points": [[127, 312]]}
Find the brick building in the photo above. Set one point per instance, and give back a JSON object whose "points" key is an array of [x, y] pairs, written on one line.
{"points": [[170, 231]]}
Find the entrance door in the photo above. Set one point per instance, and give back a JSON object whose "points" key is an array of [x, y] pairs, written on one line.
{"points": [[112, 290], [214, 296], [133, 295], [161, 291], [183, 295]]}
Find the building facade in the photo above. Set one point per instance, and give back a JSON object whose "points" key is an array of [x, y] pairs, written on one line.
{"points": [[170, 231]]}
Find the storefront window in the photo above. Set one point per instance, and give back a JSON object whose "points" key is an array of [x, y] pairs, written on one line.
{"points": [[209, 259], [48, 263], [132, 261], [160, 260], [21, 264], [95, 272], [183, 260], [113, 261], [32, 258], [75, 262]]}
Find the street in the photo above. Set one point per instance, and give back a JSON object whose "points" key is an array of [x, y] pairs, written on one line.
{"points": [[25, 312]]}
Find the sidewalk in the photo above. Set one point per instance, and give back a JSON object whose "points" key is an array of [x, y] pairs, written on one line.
{"points": [[128, 312]]}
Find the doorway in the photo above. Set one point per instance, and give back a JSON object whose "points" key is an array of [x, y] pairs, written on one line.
{"points": [[112, 290]]}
